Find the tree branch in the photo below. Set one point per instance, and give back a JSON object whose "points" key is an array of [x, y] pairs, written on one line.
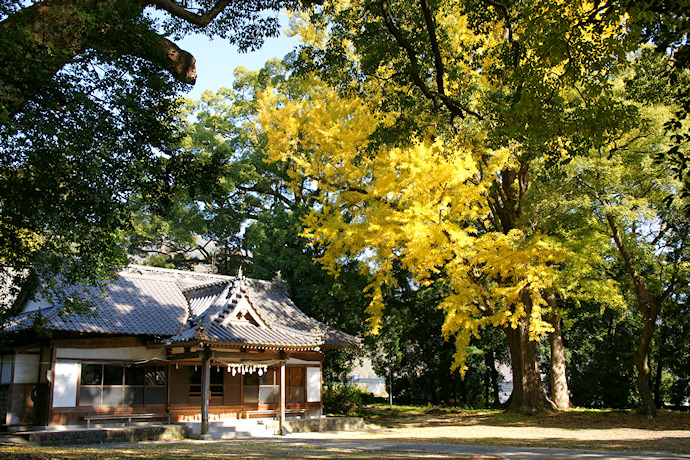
{"points": [[503, 8], [52, 34], [646, 301], [178, 11], [267, 191], [438, 61], [455, 107], [182, 64]]}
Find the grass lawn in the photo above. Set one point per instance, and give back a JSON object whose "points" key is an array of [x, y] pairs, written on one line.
{"points": [[575, 429]]}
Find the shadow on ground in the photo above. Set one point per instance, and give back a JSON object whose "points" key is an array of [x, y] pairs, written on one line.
{"points": [[667, 445], [573, 419], [219, 450]]}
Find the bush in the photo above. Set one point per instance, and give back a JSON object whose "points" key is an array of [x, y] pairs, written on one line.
{"points": [[344, 399]]}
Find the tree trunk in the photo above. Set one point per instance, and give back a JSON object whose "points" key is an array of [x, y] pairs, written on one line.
{"points": [[494, 379], [559, 383], [643, 370], [661, 347], [658, 401], [528, 394], [487, 380], [649, 306]]}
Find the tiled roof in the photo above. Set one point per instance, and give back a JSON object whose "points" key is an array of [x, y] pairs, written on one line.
{"points": [[181, 307], [132, 304]]}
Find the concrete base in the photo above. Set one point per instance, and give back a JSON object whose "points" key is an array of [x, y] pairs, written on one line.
{"points": [[227, 429], [105, 435], [315, 425]]}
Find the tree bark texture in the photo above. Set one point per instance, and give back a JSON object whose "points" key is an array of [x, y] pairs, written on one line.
{"points": [[528, 394], [661, 342], [559, 383]]}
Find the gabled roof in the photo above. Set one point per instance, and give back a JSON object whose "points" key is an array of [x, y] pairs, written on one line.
{"points": [[181, 307]]}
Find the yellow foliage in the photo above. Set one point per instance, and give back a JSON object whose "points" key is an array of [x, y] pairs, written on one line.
{"points": [[18, 243], [422, 205]]}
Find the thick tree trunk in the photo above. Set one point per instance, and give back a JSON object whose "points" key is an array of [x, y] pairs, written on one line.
{"points": [[528, 394], [643, 370], [658, 397], [559, 382]]}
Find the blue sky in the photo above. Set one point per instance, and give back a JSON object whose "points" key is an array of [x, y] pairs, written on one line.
{"points": [[216, 59]]}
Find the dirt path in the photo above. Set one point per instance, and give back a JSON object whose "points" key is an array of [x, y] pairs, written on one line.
{"points": [[606, 430]]}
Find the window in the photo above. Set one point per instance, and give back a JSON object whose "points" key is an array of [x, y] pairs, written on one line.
{"points": [[268, 388], [145, 385], [251, 389], [122, 385], [295, 385], [216, 378], [261, 389]]}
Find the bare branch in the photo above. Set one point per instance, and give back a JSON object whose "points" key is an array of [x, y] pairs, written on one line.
{"points": [[266, 191]]}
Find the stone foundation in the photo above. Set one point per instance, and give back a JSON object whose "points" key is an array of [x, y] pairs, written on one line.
{"points": [[106, 435]]}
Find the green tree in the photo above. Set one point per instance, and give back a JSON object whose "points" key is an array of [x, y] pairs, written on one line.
{"points": [[41, 38], [625, 194], [666, 25], [83, 153], [673, 351], [246, 213], [411, 348], [601, 366], [87, 99]]}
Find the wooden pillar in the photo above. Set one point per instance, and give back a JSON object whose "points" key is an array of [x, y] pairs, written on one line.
{"points": [[205, 389], [282, 397]]}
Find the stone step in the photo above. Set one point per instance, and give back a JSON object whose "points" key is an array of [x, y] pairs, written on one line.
{"points": [[232, 428]]}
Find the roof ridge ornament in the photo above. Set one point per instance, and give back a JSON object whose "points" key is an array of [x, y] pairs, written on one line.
{"points": [[279, 283], [241, 282], [278, 278]]}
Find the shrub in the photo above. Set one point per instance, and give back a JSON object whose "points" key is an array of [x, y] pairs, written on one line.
{"points": [[344, 399]]}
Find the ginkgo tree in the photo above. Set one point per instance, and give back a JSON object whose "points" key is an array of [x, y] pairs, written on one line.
{"points": [[425, 206], [464, 102]]}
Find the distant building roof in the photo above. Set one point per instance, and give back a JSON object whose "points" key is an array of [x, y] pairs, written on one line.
{"points": [[181, 307]]}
